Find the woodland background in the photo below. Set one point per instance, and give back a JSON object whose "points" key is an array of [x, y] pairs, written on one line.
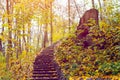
{"points": [[27, 26]]}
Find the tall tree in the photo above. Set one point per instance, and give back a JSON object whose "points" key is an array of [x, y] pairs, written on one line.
{"points": [[93, 4], [100, 5], [1, 34], [51, 22], [69, 14], [45, 40], [0, 45], [9, 52], [77, 8]]}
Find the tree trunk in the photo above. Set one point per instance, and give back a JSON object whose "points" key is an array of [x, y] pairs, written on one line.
{"points": [[100, 9], [93, 4], [9, 52], [29, 36], [45, 40], [0, 45], [24, 39], [69, 14], [77, 8], [51, 23], [18, 39]]}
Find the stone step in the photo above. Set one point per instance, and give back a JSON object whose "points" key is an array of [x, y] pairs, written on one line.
{"points": [[44, 72], [44, 60], [45, 78], [44, 57], [45, 69], [44, 66], [45, 75], [42, 63]]}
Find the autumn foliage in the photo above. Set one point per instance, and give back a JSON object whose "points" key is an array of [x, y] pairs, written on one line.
{"points": [[96, 54]]}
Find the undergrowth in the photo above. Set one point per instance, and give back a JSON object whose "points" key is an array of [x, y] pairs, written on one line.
{"points": [[100, 58]]}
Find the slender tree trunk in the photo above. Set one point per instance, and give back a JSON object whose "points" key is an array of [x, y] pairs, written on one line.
{"points": [[93, 4], [18, 43], [2, 43], [45, 40], [69, 14], [100, 9], [51, 23], [1, 50], [77, 8], [9, 52], [24, 39], [38, 38], [84, 7], [28, 37], [16, 47], [63, 33]]}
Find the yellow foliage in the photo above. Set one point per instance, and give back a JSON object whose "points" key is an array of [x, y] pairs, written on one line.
{"points": [[74, 78]]}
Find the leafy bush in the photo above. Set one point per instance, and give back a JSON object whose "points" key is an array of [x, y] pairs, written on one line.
{"points": [[21, 69], [100, 57], [110, 68]]}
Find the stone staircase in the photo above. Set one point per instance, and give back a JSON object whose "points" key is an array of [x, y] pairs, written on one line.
{"points": [[45, 67]]}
